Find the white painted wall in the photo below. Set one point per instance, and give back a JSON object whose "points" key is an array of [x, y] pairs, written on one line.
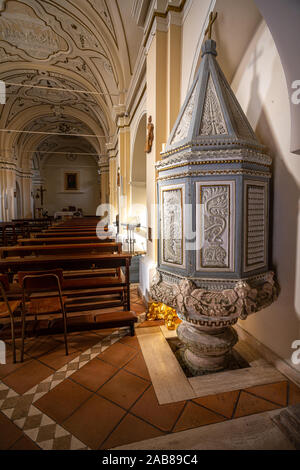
{"points": [[194, 19], [88, 196], [260, 87]]}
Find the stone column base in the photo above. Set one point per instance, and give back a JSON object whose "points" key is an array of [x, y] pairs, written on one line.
{"points": [[206, 349]]}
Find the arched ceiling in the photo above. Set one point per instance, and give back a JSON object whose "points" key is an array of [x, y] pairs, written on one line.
{"points": [[88, 45], [68, 146]]}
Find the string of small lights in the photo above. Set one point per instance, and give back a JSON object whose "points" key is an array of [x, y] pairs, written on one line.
{"points": [[54, 133], [44, 87]]}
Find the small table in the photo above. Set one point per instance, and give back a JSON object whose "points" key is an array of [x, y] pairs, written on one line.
{"points": [[64, 214]]}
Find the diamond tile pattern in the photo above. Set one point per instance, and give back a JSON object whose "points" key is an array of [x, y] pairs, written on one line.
{"points": [[111, 400], [35, 424]]}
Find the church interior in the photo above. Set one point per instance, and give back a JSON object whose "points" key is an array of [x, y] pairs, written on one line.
{"points": [[149, 225]]}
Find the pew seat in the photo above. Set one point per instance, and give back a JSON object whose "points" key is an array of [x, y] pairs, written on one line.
{"points": [[93, 320], [13, 304]]}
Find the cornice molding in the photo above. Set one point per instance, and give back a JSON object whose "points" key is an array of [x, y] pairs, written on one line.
{"points": [[158, 18], [139, 76], [139, 11]]}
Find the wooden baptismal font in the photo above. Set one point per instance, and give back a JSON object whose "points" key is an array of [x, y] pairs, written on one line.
{"points": [[213, 195]]}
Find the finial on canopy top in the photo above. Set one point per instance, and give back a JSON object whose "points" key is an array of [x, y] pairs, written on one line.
{"points": [[212, 19]]}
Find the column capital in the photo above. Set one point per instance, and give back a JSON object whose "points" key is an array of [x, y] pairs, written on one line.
{"points": [[163, 13]]}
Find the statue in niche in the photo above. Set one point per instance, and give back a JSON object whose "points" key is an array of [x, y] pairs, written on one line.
{"points": [[150, 135]]}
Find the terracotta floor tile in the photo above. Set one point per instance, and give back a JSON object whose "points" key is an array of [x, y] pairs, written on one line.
{"points": [[222, 403], [294, 394], [137, 308], [118, 354], [63, 400], [194, 415], [148, 323], [103, 333], [60, 337], [137, 366], [276, 392], [162, 416], [131, 341], [94, 374], [24, 443], [123, 389], [57, 358], [94, 421], [36, 347], [83, 341], [249, 404], [27, 376], [131, 429], [9, 367], [9, 433]]}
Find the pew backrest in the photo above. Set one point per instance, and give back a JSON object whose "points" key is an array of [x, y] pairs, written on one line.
{"points": [[38, 250]]}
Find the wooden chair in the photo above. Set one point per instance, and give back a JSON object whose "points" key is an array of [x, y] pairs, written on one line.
{"points": [[34, 283], [8, 308]]}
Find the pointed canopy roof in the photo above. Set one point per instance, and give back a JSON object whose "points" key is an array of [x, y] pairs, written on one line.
{"points": [[211, 117]]}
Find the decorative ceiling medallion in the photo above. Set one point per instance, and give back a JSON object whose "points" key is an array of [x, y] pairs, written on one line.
{"points": [[21, 28], [71, 157]]}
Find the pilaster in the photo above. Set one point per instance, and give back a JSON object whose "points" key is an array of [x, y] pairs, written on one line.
{"points": [[124, 160]]}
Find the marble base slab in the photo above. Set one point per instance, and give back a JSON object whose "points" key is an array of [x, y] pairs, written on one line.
{"points": [[170, 383], [256, 432]]}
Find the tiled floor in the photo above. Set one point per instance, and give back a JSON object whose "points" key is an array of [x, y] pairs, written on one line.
{"points": [[105, 399]]}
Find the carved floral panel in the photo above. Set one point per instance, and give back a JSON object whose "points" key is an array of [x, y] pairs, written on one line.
{"points": [[215, 226], [172, 225]]}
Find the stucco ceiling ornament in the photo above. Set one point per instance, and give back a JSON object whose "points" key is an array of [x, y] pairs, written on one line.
{"points": [[65, 39]]}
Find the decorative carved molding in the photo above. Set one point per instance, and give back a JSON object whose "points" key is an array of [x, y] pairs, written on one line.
{"points": [[256, 224], [246, 172], [184, 123], [215, 308], [172, 225], [216, 223], [212, 122], [200, 157]]}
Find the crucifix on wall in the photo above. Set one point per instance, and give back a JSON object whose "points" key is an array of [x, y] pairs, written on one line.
{"points": [[40, 193]]}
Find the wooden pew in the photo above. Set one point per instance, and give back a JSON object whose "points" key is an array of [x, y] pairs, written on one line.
{"points": [[84, 291], [56, 228], [90, 233], [62, 240], [38, 250], [9, 232]]}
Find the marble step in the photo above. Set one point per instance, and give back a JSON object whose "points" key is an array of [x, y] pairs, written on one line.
{"points": [[289, 423]]}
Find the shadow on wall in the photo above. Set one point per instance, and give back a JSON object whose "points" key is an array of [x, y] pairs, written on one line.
{"points": [[278, 325]]}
